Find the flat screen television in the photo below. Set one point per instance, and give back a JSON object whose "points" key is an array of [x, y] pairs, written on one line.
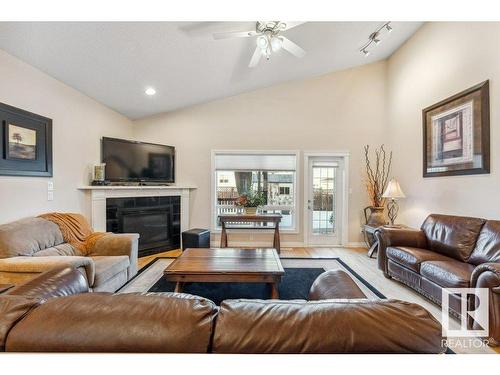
{"points": [[130, 161]]}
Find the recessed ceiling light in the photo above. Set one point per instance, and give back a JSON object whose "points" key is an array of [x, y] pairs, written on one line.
{"points": [[150, 91]]}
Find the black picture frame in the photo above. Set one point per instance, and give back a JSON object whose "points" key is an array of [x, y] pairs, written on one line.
{"points": [[478, 99], [41, 165]]}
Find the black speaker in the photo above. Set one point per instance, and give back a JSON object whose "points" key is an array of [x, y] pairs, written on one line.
{"points": [[196, 238]]}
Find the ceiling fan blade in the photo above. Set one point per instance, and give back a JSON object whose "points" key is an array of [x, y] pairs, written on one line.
{"points": [[234, 34], [255, 57], [291, 24], [292, 47]]}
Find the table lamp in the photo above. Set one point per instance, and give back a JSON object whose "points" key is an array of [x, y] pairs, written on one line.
{"points": [[393, 192]]}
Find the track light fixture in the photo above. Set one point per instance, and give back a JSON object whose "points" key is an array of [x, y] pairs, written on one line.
{"points": [[375, 38]]}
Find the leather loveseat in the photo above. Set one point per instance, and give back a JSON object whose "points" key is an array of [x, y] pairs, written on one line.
{"points": [[55, 313], [447, 252], [33, 245]]}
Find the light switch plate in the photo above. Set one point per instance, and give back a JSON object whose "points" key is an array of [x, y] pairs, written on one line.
{"points": [[50, 185], [50, 196]]}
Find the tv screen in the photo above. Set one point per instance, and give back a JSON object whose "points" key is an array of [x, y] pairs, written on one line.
{"points": [[137, 161]]}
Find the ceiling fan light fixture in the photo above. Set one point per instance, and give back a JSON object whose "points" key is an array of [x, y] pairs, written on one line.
{"points": [[262, 42], [276, 43], [268, 40]]}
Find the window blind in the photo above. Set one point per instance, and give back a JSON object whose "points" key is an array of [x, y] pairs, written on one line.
{"points": [[255, 162]]}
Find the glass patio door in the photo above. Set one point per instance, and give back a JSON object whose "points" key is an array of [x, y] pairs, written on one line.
{"points": [[323, 201]]}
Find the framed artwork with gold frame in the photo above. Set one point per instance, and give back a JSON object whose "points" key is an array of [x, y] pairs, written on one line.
{"points": [[456, 134]]}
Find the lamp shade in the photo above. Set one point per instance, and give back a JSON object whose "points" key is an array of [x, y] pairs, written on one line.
{"points": [[393, 190]]}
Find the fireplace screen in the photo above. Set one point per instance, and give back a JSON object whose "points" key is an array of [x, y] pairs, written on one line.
{"points": [[154, 226], [156, 219]]}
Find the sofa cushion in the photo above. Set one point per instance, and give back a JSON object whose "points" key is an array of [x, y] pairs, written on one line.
{"points": [[12, 310], [328, 326], [453, 236], [101, 322], [64, 249], [106, 267], [35, 265], [412, 257], [488, 244], [448, 274], [28, 236]]}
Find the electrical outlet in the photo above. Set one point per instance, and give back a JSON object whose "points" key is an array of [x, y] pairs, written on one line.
{"points": [[50, 195], [50, 185]]}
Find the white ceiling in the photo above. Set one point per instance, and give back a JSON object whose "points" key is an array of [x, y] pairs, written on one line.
{"points": [[114, 62]]}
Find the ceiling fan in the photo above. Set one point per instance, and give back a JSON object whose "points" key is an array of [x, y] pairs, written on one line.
{"points": [[268, 38]]}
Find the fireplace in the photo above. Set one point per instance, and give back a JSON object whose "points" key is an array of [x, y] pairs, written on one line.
{"points": [[156, 219]]}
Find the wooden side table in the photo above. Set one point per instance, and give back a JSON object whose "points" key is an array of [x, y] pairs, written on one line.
{"points": [[258, 218], [369, 236]]}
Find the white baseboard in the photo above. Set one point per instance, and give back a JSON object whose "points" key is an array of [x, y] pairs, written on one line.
{"points": [[265, 244], [356, 244]]}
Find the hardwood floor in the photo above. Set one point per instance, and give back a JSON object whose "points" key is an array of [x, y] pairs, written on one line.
{"points": [[145, 260], [357, 259]]}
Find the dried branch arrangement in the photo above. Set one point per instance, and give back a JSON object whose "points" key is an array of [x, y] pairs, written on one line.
{"points": [[377, 174]]}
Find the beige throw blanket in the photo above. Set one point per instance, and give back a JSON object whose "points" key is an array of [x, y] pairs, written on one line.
{"points": [[75, 230]]}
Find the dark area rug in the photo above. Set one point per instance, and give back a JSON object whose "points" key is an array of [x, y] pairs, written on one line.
{"points": [[295, 284]]}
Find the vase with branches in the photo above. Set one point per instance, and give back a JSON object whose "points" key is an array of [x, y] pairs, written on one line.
{"points": [[378, 167]]}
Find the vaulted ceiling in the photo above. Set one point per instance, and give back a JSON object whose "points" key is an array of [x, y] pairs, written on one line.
{"points": [[114, 62]]}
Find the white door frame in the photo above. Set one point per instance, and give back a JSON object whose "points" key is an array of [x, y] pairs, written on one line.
{"points": [[344, 217]]}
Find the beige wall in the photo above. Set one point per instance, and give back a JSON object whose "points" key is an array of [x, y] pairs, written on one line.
{"points": [[337, 112], [78, 124], [440, 60]]}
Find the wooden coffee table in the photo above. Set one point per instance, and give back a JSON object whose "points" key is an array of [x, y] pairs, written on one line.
{"points": [[226, 265]]}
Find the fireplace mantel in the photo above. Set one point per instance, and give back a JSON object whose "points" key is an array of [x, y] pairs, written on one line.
{"points": [[98, 195]]}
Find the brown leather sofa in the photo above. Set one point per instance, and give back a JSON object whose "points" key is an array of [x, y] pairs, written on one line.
{"points": [[54, 313], [447, 252]]}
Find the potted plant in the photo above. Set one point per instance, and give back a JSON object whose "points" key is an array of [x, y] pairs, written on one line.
{"points": [[377, 174], [251, 201]]}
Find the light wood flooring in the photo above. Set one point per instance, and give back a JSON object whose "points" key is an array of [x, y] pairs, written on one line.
{"points": [[357, 259]]}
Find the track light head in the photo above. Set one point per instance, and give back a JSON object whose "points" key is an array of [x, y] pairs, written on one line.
{"points": [[388, 28], [374, 37], [365, 52]]}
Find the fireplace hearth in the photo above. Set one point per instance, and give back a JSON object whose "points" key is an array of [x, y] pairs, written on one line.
{"points": [[156, 219]]}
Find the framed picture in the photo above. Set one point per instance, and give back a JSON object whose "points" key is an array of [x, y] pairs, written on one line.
{"points": [[456, 134], [26, 147]]}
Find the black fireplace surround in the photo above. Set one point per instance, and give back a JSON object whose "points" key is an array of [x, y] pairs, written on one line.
{"points": [[156, 219]]}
